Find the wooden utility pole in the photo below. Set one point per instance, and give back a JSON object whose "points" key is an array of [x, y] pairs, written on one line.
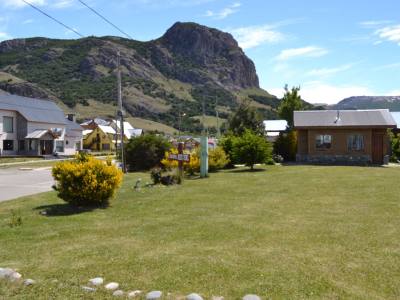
{"points": [[120, 113]]}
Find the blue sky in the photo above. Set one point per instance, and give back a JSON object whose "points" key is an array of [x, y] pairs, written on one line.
{"points": [[332, 49]]}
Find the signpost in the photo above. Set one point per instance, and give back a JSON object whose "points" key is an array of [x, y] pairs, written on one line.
{"points": [[180, 157]]}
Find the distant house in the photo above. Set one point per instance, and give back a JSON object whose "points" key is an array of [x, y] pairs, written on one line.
{"points": [[273, 128], [101, 138], [129, 130], [396, 117], [35, 127], [355, 136]]}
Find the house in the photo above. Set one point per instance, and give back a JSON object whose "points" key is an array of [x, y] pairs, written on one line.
{"points": [[273, 128], [343, 136], [129, 130], [33, 127], [101, 138]]}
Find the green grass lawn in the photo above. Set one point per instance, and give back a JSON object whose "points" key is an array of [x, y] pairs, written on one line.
{"points": [[6, 160], [289, 232]]}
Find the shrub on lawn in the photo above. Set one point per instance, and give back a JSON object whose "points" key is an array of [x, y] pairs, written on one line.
{"points": [[86, 181], [286, 145], [217, 159], [251, 149], [146, 151], [227, 145]]}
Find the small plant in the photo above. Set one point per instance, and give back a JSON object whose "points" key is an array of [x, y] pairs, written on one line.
{"points": [[15, 219], [86, 181], [156, 174], [217, 159], [277, 158]]}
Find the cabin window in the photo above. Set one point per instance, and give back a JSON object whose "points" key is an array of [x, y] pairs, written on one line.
{"points": [[106, 147], [355, 142], [8, 145], [323, 141], [59, 146], [8, 124], [32, 145]]}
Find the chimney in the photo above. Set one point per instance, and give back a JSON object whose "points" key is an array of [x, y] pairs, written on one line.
{"points": [[71, 117]]}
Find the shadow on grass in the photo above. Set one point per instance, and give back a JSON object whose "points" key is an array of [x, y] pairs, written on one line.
{"points": [[64, 209], [337, 164], [246, 170]]}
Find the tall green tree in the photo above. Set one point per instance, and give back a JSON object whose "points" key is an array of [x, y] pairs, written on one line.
{"points": [[291, 101], [245, 117]]}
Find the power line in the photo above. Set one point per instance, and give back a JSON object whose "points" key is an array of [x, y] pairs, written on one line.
{"points": [[54, 19], [105, 19]]}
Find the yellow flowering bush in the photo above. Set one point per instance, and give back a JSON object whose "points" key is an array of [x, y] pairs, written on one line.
{"points": [[86, 181], [217, 159], [191, 167]]}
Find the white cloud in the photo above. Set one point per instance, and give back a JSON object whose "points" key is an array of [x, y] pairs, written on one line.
{"points": [[309, 51], [253, 36], [52, 3], [20, 3], [320, 92], [225, 12], [28, 21], [329, 71], [374, 23], [389, 33], [393, 93], [4, 36], [388, 66]]}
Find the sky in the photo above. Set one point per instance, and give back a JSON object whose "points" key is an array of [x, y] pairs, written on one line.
{"points": [[331, 49]]}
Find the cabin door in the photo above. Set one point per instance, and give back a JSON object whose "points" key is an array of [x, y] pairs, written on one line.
{"points": [[377, 148]]}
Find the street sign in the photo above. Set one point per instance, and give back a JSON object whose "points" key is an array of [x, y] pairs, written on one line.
{"points": [[179, 157]]}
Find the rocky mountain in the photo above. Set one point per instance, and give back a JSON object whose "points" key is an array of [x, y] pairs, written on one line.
{"points": [[369, 102], [162, 78]]}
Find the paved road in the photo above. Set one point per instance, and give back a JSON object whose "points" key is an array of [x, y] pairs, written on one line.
{"points": [[16, 183]]}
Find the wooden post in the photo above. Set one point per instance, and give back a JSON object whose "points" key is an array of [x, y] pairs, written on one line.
{"points": [[180, 161]]}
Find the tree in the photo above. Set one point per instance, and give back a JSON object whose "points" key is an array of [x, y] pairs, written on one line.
{"points": [[146, 151], [286, 145], [291, 101], [250, 149], [245, 117]]}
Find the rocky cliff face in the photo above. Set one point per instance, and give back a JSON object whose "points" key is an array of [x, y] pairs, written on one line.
{"points": [[176, 72]]}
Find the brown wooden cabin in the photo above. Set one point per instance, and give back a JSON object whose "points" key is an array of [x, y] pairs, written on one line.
{"points": [[343, 136]]}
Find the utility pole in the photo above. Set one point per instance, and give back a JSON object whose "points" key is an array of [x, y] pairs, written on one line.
{"points": [[217, 115], [120, 112]]}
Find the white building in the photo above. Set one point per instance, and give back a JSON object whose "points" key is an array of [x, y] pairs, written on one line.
{"points": [[31, 126], [129, 130]]}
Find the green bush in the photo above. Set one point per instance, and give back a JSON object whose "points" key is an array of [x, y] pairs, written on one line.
{"points": [[286, 145], [226, 143], [146, 152], [251, 149], [217, 159], [86, 181]]}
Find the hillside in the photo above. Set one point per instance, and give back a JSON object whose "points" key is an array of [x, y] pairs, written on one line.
{"points": [[175, 73], [369, 102]]}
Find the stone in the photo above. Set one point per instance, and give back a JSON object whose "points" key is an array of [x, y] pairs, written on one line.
{"points": [[88, 289], [28, 282], [194, 296], [96, 281], [251, 297], [217, 298], [5, 272], [15, 276], [153, 295], [118, 293], [133, 294], [112, 286]]}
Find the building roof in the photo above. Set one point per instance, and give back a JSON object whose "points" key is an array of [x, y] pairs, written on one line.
{"points": [[275, 125], [37, 134], [33, 110], [396, 117], [97, 121], [344, 118], [107, 129], [87, 131], [133, 133]]}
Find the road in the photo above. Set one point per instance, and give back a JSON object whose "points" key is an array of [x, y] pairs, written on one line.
{"points": [[16, 182]]}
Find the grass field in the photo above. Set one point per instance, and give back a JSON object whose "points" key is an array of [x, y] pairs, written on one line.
{"points": [[288, 232]]}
